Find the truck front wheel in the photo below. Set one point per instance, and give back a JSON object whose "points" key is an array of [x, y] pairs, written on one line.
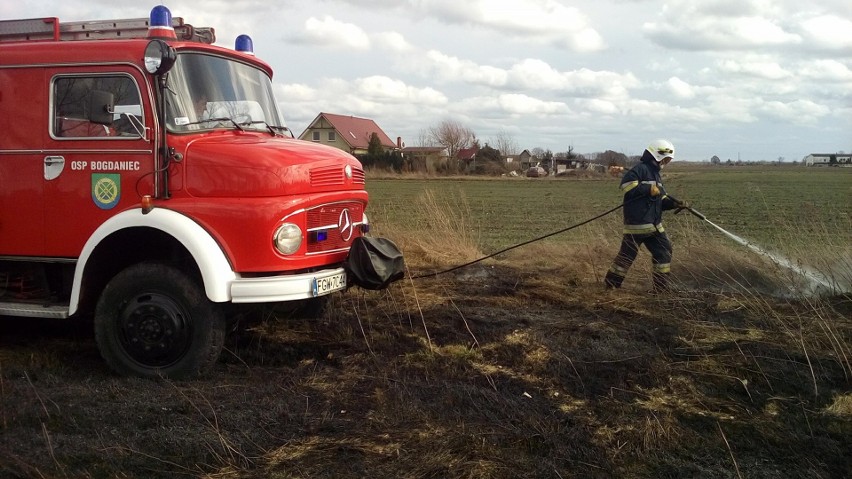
{"points": [[152, 320]]}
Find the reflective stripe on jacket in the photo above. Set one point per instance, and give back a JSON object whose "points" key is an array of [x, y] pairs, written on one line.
{"points": [[643, 213]]}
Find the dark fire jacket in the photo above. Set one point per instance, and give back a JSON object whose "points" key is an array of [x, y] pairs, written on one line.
{"points": [[643, 214]]}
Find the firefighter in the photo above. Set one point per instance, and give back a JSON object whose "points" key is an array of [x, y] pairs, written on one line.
{"points": [[645, 199]]}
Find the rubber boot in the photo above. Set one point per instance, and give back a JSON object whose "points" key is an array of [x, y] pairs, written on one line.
{"points": [[613, 280]]}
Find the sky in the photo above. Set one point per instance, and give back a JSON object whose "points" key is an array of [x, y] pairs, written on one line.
{"points": [[739, 79]]}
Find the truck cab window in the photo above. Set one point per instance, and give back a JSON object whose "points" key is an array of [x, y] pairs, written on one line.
{"points": [[208, 92], [71, 107]]}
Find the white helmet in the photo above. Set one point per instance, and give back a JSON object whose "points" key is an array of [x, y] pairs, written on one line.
{"points": [[660, 150]]}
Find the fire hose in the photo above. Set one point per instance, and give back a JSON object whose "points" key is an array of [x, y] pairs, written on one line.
{"points": [[563, 230]]}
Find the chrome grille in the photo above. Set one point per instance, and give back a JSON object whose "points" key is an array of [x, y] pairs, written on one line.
{"points": [[324, 231]]}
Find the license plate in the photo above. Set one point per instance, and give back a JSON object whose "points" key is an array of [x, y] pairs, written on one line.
{"points": [[328, 284]]}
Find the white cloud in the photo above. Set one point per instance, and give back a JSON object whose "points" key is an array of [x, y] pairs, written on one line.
{"points": [[827, 71], [797, 112], [334, 33], [527, 75], [521, 104], [447, 68], [721, 25], [759, 31], [541, 21], [721, 34], [508, 106], [392, 41], [830, 32], [536, 74], [680, 88], [767, 69], [295, 92], [597, 106], [388, 90]]}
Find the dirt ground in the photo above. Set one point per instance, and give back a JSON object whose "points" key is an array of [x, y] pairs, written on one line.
{"points": [[488, 372]]}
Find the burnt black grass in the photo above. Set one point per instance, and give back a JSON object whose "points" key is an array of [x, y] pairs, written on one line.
{"points": [[519, 366]]}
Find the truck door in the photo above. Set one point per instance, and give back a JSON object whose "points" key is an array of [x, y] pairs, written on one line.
{"points": [[93, 171], [23, 127]]}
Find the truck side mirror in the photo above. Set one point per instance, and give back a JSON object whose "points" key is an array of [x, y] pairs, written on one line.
{"points": [[101, 107]]}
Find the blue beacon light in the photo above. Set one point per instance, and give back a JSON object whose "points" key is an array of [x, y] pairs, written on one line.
{"points": [[160, 23], [244, 45]]}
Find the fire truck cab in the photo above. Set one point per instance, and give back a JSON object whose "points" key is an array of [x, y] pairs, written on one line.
{"points": [[148, 180]]}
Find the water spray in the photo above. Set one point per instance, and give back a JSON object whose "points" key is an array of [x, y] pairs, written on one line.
{"points": [[816, 281]]}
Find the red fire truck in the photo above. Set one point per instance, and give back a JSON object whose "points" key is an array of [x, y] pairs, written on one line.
{"points": [[147, 181]]}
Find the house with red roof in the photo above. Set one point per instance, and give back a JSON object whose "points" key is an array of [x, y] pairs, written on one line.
{"points": [[348, 133], [466, 156]]}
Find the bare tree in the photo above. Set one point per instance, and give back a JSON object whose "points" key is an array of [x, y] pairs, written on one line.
{"points": [[453, 136], [424, 138], [505, 143]]}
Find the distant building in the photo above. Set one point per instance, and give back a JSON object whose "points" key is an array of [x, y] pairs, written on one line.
{"points": [[519, 161], [828, 159], [348, 133], [466, 156]]}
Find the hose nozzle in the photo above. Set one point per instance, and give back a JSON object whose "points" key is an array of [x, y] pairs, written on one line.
{"points": [[696, 213]]}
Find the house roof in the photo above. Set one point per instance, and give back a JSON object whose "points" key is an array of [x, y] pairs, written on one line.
{"points": [[467, 153], [355, 131]]}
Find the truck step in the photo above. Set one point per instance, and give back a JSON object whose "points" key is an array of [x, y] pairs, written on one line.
{"points": [[32, 310]]}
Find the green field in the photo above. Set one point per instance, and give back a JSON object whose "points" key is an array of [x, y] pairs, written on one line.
{"points": [[779, 207]]}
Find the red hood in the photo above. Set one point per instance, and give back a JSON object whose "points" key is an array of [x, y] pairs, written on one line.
{"points": [[259, 165]]}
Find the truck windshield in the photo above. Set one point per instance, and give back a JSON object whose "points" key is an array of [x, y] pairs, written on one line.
{"points": [[207, 92]]}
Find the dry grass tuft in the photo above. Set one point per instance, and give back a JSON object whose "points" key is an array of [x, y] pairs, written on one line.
{"points": [[446, 236], [841, 406]]}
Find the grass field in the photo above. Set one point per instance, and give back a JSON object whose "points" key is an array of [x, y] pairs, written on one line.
{"points": [[796, 213], [521, 366], [770, 205]]}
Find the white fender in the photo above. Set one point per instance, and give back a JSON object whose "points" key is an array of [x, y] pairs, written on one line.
{"points": [[215, 269]]}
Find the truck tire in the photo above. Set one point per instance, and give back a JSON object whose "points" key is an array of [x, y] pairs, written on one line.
{"points": [[152, 320]]}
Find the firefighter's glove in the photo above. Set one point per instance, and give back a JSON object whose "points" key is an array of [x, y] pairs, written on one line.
{"points": [[681, 205], [655, 191]]}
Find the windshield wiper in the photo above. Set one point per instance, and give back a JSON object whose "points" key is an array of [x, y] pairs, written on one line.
{"points": [[283, 128], [273, 129], [231, 120]]}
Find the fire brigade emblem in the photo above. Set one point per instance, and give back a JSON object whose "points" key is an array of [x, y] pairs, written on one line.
{"points": [[106, 190]]}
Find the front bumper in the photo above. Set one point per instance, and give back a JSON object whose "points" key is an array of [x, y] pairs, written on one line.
{"points": [[286, 288]]}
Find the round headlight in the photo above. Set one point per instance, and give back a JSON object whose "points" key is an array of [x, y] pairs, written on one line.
{"points": [[288, 238]]}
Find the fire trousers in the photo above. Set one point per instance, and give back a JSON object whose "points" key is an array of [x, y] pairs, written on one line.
{"points": [[661, 257]]}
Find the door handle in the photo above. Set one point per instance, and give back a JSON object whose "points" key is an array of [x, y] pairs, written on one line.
{"points": [[53, 166]]}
